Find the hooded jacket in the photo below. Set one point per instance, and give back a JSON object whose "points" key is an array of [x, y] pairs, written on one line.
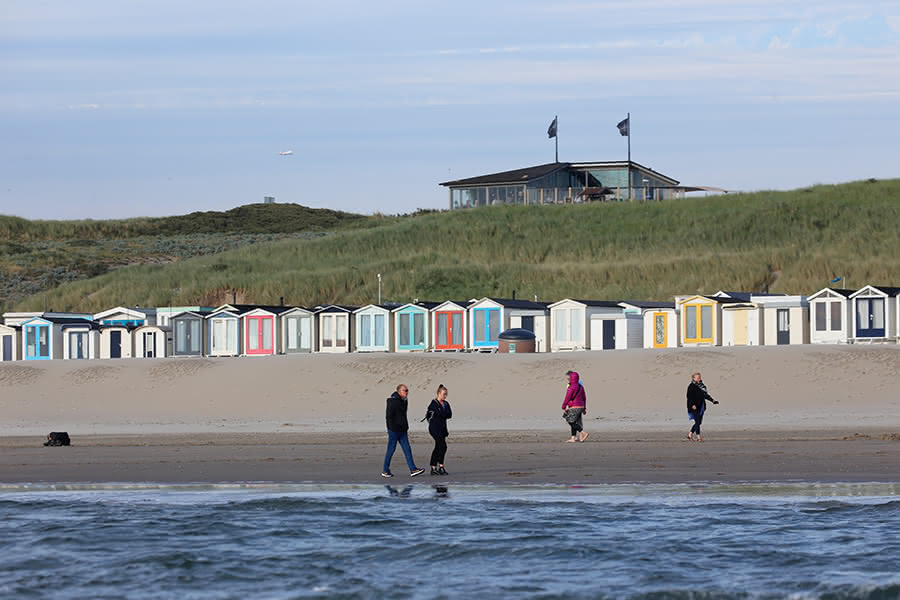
{"points": [[575, 395], [395, 414]]}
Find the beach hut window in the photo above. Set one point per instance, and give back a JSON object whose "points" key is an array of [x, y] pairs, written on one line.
{"points": [[231, 336], [820, 316], [341, 330], [253, 335], [418, 329], [836, 316], [562, 316], [327, 331], [706, 317], [292, 334], [690, 323], [305, 333], [479, 325], [404, 328], [379, 330], [267, 333], [194, 336], [365, 333], [443, 328]]}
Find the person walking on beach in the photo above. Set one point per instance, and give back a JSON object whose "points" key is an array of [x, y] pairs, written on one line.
{"points": [[574, 406], [697, 395], [438, 413], [397, 429]]}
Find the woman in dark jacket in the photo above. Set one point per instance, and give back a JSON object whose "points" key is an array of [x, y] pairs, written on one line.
{"points": [[438, 413], [697, 395]]}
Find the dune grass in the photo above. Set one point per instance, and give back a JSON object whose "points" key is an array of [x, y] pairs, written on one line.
{"points": [[791, 242]]}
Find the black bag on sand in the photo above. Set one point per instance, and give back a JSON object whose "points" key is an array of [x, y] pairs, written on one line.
{"points": [[58, 438]]}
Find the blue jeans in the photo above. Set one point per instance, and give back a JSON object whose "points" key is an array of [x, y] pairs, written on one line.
{"points": [[403, 438]]}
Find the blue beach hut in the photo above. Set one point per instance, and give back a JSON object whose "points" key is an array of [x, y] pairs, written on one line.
{"points": [[411, 327]]}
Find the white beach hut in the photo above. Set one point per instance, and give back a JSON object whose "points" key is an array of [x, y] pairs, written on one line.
{"points": [[80, 341], [660, 325], [374, 330], [115, 341], [223, 327], [570, 324], [742, 324], [151, 341], [830, 316], [335, 328], [298, 326]]}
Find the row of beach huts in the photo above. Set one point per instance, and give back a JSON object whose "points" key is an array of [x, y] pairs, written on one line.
{"points": [[831, 315]]}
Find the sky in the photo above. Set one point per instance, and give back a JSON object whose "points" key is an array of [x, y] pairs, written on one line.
{"points": [[114, 109]]}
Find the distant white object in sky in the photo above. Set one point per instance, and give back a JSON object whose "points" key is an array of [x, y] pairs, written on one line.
{"points": [[285, 152]]}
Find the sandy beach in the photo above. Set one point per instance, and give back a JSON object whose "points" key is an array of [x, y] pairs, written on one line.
{"points": [[805, 413]]}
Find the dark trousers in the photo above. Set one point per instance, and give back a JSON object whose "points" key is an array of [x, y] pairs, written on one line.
{"points": [[439, 452], [698, 419]]}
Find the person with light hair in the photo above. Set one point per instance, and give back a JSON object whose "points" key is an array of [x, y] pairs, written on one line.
{"points": [[438, 413], [697, 395]]}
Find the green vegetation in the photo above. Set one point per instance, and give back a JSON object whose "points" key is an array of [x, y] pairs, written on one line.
{"points": [[40, 255], [793, 242], [252, 218]]}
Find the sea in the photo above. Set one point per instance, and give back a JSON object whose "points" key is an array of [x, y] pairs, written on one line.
{"points": [[428, 540]]}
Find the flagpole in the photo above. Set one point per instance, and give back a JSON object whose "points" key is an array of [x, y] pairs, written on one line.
{"points": [[628, 120], [556, 137]]}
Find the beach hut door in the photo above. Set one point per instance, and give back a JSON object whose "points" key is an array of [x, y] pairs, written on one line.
{"points": [[783, 318], [609, 334], [149, 344], [76, 345], [115, 344], [870, 317], [37, 341], [7, 347]]}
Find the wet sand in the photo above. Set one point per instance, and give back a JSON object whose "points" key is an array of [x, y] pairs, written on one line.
{"points": [[524, 457]]}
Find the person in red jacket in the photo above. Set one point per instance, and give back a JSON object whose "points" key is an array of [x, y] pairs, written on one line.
{"points": [[574, 407]]}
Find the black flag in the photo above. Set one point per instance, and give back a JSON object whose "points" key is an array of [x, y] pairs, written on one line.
{"points": [[551, 131], [623, 126]]}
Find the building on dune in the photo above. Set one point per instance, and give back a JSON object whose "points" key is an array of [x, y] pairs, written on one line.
{"points": [[568, 182]]}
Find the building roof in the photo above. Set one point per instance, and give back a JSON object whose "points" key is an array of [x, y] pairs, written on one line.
{"points": [[521, 304], [334, 308], [514, 176], [648, 304], [890, 291], [520, 176]]}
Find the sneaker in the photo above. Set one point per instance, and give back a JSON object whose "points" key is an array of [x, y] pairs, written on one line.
{"points": [[416, 472], [387, 474], [434, 471], [442, 471]]}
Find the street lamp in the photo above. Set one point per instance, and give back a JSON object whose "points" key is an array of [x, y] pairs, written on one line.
{"points": [[379, 288]]}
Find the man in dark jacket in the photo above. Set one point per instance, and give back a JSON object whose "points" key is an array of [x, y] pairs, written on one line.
{"points": [[397, 428], [697, 395]]}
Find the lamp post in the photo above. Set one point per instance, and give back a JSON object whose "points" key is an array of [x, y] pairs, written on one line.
{"points": [[379, 288]]}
